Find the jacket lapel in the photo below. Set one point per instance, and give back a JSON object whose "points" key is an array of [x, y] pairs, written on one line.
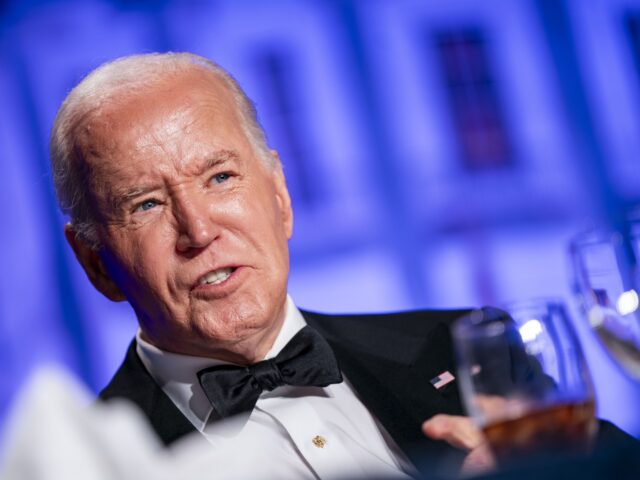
{"points": [[391, 372]]}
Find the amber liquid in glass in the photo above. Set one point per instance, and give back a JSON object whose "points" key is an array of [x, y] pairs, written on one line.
{"points": [[558, 429]]}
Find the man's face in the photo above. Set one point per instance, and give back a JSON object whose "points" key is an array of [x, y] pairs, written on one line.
{"points": [[193, 225]]}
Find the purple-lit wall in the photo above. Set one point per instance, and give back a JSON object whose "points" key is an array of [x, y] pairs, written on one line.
{"points": [[439, 154]]}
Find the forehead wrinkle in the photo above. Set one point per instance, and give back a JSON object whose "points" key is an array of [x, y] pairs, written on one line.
{"points": [[158, 142], [173, 140]]}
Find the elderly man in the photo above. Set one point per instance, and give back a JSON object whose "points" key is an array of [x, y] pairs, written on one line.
{"points": [[178, 207]]}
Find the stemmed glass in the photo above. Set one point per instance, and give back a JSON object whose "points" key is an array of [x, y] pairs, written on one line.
{"points": [[606, 285], [524, 380]]}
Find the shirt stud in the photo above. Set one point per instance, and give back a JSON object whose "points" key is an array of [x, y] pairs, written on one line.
{"points": [[319, 441]]}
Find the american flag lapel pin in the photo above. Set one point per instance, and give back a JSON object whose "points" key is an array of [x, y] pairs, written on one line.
{"points": [[442, 379]]}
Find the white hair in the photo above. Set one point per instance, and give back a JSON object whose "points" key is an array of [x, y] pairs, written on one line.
{"points": [[125, 75]]}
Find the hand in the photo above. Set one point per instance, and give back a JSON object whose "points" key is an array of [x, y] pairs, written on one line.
{"points": [[462, 433]]}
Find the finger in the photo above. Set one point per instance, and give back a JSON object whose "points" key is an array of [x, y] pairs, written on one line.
{"points": [[458, 431], [479, 460]]}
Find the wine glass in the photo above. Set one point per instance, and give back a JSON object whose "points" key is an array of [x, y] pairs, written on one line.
{"points": [[606, 286], [524, 380]]}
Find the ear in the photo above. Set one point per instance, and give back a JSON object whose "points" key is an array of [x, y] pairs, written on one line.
{"points": [[92, 265], [282, 194]]}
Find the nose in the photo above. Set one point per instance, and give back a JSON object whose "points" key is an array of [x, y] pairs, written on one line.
{"points": [[196, 229]]}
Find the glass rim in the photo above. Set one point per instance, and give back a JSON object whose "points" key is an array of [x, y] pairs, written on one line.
{"points": [[599, 235], [475, 324], [595, 235]]}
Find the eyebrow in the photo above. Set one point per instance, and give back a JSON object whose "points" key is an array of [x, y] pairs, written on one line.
{"points": [[220, 157]]}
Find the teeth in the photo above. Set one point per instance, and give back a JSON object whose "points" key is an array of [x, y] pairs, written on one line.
{"points": [[217, 276]]}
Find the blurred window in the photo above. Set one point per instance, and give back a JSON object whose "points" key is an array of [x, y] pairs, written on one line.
{"points": [[277, 73], [632, 26], [473, 100]]}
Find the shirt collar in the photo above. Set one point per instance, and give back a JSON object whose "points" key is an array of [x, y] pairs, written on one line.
{"points": [[177, 374]]}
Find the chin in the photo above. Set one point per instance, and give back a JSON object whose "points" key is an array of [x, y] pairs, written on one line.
{"points": [[229, 329]]}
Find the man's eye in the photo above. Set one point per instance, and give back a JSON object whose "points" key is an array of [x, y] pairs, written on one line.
{"points": [[146, 205], [221, 177]]}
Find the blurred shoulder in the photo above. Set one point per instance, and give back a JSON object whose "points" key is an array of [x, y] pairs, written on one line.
{"points": [[410, 321]]}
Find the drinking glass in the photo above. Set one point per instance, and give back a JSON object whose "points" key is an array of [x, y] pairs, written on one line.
{"points": [[606, 286], [524, 380]]}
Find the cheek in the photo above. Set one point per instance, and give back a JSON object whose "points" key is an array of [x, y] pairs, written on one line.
{"points": [[141, 257], [268, 218], [153, 256]]}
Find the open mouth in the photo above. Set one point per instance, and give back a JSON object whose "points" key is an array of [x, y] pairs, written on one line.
{"points": [[216, 276]]}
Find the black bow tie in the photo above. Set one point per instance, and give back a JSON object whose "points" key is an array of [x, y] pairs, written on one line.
{"points": [[307, 360]]}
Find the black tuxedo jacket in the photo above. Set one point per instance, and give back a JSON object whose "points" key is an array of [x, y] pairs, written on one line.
{"points": [[388, 359]]}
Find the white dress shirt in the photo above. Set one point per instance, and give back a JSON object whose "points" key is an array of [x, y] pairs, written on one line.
{"points": [[293, 432]]}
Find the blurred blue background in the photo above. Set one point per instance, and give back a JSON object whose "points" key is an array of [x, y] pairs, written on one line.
{"points": [[439, 154]]}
